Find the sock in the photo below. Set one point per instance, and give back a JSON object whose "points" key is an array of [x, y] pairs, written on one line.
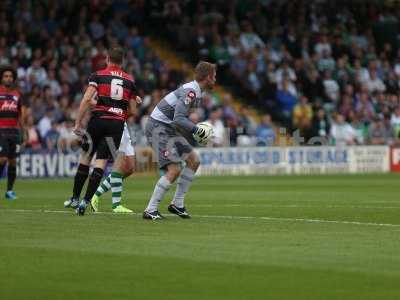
{"points": [[161, 188], [104, 187], [11, 174], [184, 181], [94, 181], [79, 180], [116, 188], [2, 169]]}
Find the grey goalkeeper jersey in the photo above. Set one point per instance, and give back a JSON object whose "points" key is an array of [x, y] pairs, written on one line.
{"points": [[174, 108]]}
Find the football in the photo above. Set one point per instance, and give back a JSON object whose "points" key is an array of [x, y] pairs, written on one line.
{"points": [[209, 132]]}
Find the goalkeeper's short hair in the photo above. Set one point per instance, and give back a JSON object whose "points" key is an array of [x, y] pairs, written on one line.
{"points": [[203, 69]]}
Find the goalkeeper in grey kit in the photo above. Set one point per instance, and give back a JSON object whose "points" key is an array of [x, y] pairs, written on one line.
{"points": [[171, 135]]}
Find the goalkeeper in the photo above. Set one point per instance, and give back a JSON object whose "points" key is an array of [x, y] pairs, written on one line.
{"points": [[171, 135]]}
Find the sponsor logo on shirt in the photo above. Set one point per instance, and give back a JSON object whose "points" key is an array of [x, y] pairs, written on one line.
{"points": [[115, 110], [190, 97]]}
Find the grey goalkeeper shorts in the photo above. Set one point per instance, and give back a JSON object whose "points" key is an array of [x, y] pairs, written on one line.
{"points": [[169, 146]]}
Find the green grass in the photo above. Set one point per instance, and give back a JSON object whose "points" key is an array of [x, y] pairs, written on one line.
{"points": [[46, 253]]}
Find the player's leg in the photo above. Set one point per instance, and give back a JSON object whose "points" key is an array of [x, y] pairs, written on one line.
{"points": [[160, 137], [5, 153], [93, 183], [177, 205], [123, 167], [3, 161], [11, 176], [81, 175], [89, 146], [106, 149], [172, 171], [13, 151]]}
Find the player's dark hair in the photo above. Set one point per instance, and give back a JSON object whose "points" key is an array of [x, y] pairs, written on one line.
{"points": [[203, 69], [116, 55], [8, 68]]}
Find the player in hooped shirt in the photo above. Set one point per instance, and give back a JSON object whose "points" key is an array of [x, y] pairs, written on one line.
{"points": [[114, 92], [12, 116]]}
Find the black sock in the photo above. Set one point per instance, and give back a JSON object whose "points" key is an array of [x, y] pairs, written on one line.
{"points": [[79, 180], [11, 174], [2, 169], [94, 181]]}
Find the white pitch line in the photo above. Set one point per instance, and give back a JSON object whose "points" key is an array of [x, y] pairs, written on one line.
{"points": [[297, 206], [229, 217]]}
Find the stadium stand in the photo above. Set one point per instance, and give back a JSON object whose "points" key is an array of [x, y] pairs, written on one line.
{"points": [[336, 76], [329, 68]]}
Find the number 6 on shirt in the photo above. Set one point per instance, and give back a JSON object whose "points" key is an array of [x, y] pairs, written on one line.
{"points": [[117, 90]]}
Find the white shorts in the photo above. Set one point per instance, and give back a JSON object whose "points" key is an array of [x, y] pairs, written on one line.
{"points": [[126, 143]]}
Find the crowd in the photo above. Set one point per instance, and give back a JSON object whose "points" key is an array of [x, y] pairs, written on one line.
{"points": [[55, 48], [329, 69]]}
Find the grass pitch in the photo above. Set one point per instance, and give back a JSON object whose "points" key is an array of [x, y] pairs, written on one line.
{"points": [[300, 237]]}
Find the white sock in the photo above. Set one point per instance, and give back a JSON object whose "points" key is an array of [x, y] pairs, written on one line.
{"points": [[161, 188], [182, 186]]}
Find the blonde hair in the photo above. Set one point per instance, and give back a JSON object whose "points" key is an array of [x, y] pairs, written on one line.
{"points": [[203, 69]]}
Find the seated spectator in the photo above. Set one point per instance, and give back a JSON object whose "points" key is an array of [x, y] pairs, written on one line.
{"points": [[265, 132], [249, 39], [302, 114], [286, 99], [374, 83], [52, 137], [342, 133], [395, 121], [326, 62], [67, 138], [285, 71], [379, 134], [347, 106], [323, 46], [218, 125], [44, 124], [320, 127], [32, 139], [38, 72], [331, 87], [364, 107], [218, 51]]}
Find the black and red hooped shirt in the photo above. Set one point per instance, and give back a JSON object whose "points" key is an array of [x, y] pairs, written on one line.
{"points": [[10, 108], [115, 89]]}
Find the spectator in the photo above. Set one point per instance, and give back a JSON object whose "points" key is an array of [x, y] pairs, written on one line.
{"points": [[342, 133], [52, 137], [32, 139], [44, 124], [331, 87], [38, 72], [320, 127], [249, 39], [379, 134], [286, 99], [219, 129], [395, 121], [265, 132], [373, 83], [302, 114]]}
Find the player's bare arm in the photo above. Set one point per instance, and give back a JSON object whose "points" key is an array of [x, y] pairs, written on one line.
{"points": [[86, 103]]}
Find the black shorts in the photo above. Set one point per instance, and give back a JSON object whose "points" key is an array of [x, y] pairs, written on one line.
{"points": [[10, 143], [103, 137]]}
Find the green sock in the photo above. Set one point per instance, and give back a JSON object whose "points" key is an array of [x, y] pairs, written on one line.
{"points": [[116, 188], [104, 187]]}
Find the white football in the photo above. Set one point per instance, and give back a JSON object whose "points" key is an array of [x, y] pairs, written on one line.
{"points": [[208, 128]]}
